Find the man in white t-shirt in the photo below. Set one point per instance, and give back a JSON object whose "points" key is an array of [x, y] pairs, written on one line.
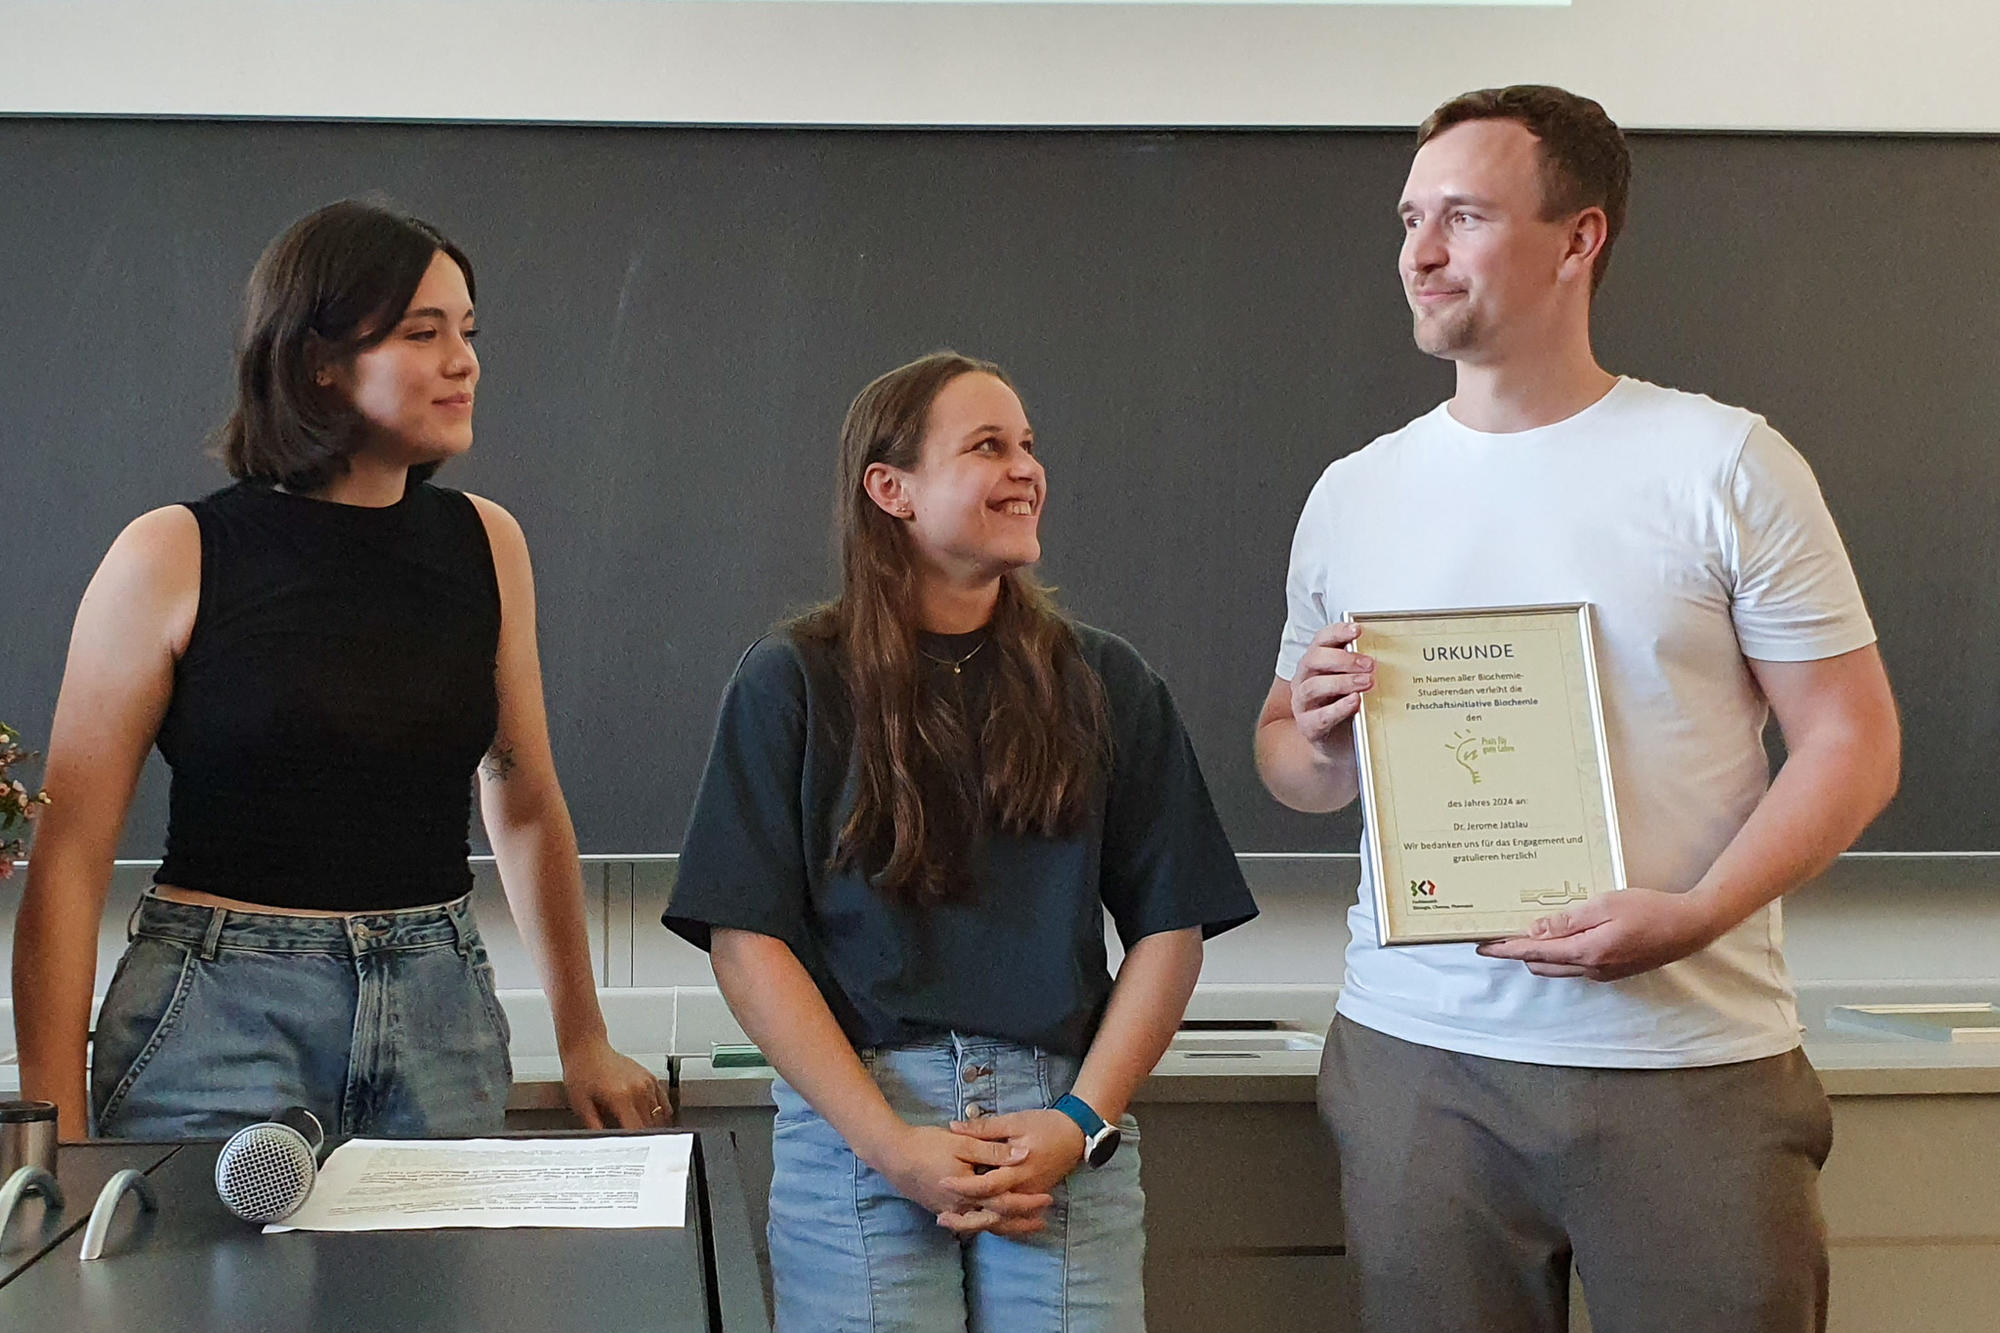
{"points": [[1622, 1088]]}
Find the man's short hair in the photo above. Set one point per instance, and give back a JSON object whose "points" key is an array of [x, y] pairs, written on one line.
{"points": [[1585, 163]]}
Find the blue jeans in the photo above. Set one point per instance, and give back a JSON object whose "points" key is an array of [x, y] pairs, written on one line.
{"points": [[850, 1253], [384, 1024]]}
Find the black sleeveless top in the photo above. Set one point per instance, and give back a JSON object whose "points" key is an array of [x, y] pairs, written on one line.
{"points": [[335, 697]]}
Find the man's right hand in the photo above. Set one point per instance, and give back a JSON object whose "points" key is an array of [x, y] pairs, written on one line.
{"points": [[1328, 684], [1305, 749], [924, 1157]]}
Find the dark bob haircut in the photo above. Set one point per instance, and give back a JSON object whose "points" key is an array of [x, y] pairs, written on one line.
{"points": [[335, 284]]}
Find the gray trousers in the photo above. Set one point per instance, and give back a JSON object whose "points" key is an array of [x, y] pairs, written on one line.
{"points": [[1687, 1199]]}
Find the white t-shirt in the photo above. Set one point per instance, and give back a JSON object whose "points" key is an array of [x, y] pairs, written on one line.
{"points": [[1700, 538]]}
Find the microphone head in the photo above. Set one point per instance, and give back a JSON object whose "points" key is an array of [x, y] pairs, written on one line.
{"points": [[265, 1172]]}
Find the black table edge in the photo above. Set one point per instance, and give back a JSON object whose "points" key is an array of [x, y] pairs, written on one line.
{"points": [[735, 1291]]}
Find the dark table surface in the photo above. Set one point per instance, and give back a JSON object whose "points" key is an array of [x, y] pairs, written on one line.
{"points": [[193, 1266], [81, 1170]]}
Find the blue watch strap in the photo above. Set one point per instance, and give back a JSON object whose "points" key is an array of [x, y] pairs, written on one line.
{"points": [[1077, 1109], [1100, 1140]]}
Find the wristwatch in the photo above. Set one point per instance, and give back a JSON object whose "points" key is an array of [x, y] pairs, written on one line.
{"points": [[1099, 1139]]}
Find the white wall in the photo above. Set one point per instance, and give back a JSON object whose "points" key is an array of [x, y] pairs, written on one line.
{"points": [[1915, 65]]}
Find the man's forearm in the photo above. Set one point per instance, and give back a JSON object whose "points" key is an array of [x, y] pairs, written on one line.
{"points": [[1824, 796], [1301, 774]]}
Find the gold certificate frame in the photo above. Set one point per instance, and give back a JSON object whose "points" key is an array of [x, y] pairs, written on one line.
{"points": [[1485, 777]]}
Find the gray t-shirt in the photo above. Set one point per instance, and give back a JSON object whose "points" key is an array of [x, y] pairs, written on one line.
{"points": [[1022, 956]]}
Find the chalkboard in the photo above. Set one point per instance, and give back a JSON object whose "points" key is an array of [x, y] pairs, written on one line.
{"points": [[676, 318]]}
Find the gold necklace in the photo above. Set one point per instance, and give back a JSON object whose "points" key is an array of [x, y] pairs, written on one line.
{"points": [[957, 665]]}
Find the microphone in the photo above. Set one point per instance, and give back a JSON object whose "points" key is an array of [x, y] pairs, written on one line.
{"points": [[266, 1170]]}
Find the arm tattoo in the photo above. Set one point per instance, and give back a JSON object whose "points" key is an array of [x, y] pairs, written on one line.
{"points": [[499, 762]]}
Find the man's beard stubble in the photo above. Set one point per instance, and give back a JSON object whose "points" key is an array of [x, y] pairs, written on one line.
{"points": [[1444, 333]]}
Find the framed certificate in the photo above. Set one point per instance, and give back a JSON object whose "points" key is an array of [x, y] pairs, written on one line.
{"points": [[1485, 779]]}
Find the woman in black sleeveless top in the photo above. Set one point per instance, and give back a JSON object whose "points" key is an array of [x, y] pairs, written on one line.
{"points": [[324, 653]]}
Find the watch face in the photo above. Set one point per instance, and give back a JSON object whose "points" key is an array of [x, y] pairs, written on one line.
{"points": [[1100, 1148]]}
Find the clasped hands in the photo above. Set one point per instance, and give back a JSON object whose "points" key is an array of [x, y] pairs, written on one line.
{"points": [[996, 1173]]}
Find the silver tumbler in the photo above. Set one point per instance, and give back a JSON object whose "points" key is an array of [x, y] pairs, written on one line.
{"points": [[27, 1137]]}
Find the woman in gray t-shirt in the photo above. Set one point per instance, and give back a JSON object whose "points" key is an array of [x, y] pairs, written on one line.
{"points": [[921, 801]]}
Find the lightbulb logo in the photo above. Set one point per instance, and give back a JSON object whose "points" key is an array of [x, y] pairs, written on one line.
{"points": [[1471, 750]]}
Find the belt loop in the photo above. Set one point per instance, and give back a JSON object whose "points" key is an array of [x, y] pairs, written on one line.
{"points": [[460, 912], [217, 919], [132, 921]]}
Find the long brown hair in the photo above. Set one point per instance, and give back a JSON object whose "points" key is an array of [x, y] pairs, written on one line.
{"points": [[922, 804]]}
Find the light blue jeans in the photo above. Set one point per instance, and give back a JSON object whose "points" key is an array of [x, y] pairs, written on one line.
{"points": [[851, 1255], [384, 1023]]}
